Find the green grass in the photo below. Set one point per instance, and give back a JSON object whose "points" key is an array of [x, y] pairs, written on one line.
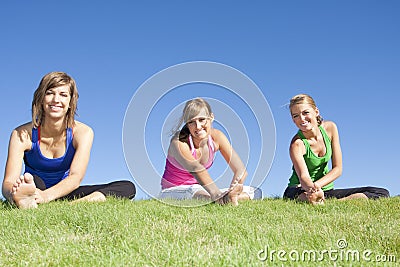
{"points": [[150, 233]]}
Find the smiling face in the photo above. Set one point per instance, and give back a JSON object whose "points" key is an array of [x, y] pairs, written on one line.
{"points": [[57, 102], [200, 125], [56, 95], [304, 116], [305, 113]]}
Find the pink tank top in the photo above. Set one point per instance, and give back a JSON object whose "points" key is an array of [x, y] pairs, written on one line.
{"points": [[175, 174]]}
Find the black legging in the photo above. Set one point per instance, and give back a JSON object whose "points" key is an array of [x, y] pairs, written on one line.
{"points": [[121, 189], [293, 192]]}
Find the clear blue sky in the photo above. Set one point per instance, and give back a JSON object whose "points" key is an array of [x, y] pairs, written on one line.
{"points": [[344, 53]]}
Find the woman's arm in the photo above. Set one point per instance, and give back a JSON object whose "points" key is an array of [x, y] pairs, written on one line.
{"points": [[296, 151], [181, 152], [83, 140], [230, 156], [332, 131], [20, 141]]}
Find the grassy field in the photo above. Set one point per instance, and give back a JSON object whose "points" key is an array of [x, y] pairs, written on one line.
{"points": [[269, 232]]}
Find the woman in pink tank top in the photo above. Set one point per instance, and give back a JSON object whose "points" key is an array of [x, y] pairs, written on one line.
{"points": [[191, 154]]}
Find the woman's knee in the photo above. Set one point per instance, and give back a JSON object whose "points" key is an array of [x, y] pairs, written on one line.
{"points": [[130, 188], [122, 188], [383, 192], [376, 192]]}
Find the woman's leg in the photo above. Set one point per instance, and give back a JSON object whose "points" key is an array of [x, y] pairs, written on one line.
{"points": [[357, 192], [297, 193], [181, 192], [248, 193], [120, 189], [39, 182], [293, 192]]}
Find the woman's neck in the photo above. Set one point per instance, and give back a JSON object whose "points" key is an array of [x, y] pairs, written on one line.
{"points": [[312, 134], [52, 128], [197, 143]]}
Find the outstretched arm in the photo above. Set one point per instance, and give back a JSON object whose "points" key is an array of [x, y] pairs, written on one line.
{"points": [[313, 192], [296, 151], [83, 140], [181, 152], [20, 141], [231, 157], [336, 170]]}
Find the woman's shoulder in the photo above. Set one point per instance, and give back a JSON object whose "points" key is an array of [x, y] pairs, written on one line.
{"points": [[22, 135], [82, 129], [297, 145], [81, 125], [24, 127], [176, 143], [219, 139], [296, 141], [217, 134], [329, 126], [24, 130], [178, 148]]}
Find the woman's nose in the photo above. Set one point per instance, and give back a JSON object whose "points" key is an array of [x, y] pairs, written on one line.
{"points": [[56, 98]]}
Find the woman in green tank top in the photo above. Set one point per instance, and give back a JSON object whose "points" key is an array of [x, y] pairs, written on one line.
{"points": [[311, 149]]}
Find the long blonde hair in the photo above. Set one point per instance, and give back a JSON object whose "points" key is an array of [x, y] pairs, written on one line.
{"points": [[52, 80], [305, 99]]}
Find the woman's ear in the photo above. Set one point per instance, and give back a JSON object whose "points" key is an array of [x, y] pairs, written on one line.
{"points": [[212, 117]]}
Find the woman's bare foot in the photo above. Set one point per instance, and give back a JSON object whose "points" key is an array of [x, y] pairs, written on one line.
{"points": [[317, 198], [243, 196], [234, 194], [93, 197], [24, 191]]}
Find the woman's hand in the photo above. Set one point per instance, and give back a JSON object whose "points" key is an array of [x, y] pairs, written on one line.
{"points": [[315, 195]]}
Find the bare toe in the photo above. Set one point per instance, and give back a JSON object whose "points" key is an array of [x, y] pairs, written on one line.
{"points": [[317, 198], [24, 192], [234, 194]]}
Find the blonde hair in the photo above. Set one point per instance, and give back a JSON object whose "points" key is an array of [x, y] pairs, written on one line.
{"points": [[192, 108], [49, 81], [305, 99]]}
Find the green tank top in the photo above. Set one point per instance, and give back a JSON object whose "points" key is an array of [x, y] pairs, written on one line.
{"points": [[317, 166]]}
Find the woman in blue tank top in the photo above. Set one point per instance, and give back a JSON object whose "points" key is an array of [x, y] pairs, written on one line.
{"points": [[55, 149]]}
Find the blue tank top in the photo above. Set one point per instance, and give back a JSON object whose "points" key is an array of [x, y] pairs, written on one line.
{"points": [[51, 171]]}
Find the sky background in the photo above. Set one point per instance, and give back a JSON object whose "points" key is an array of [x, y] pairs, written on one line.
{"points": [[343, 53]]}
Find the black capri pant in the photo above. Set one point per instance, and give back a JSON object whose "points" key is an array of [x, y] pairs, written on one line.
{"points": [[371, 192], [119, 189]]}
